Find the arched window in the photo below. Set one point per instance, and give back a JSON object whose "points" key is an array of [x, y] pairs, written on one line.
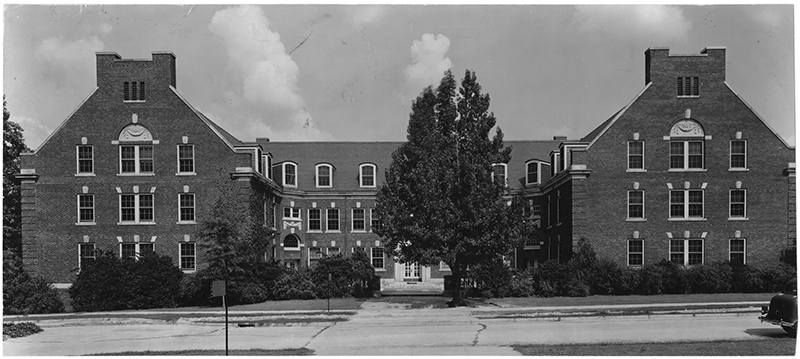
{"points": [[290, 174], [686, 146], [532, 172], [324, 176], [500, 173], [291, 242], [366, 176], [136, 150]]}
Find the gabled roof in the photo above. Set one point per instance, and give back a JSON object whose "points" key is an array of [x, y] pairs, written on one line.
{"points": [[759, 117], [592, 137], [224, 135], [599, 129]]}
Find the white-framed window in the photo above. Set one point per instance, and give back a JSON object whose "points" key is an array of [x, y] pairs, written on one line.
{"points": [[86, 253], [686, 155], [686, 204], [188, 256], [536, 210], [135, 250], [332, 220], [533, 173], [377, 257], [366, 176], [636, 155], [291, 213], [136, 159], [86, 208], [635, 204], [359, 221], [549, 212], [314, 255], [324, 176], [85, 158], [555, 159], [136, 208], [185, 159], [738, 204], [635, 252], [186, 206], [290, 174], [373, 220], [688, 86], [291, 243], [737, 250], [500, 173], [267, 159], [738, 154], [686, 251], [133, 91], [558, 207], [314, 220]]}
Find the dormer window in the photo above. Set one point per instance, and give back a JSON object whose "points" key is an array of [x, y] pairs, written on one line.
{"points": [[290, 174], [500, 173], [532, 173], [366, 175], [688, 87], [267, 160], [133, 91], [324, 176]]}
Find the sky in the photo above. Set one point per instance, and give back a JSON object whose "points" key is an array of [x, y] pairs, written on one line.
{"points": [[351, 72]]}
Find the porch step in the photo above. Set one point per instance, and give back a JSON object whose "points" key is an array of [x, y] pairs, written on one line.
{"points": [[411, 289]]}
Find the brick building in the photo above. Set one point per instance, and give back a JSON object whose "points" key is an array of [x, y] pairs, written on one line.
{"points": [[686, 171]]}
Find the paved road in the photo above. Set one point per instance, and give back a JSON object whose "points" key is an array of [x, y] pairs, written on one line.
{"points": [[391, 329]]}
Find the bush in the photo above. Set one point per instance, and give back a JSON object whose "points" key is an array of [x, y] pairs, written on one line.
{"points": [[521, 284], [19, 330], [492, 279], [651, 280], [111, 283], [294, 285], [713, 277], [746, 279], [23, 294], [776, 276], [559, 279], [252, 285]]}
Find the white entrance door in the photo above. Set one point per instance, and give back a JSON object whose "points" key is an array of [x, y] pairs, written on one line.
{"points": [[411, 271]]}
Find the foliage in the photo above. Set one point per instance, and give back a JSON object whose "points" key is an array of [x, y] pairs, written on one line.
{"points": [[253, 285], [789, 256], [713, 277], [439, 201], [363, 272], [559, 279], [774, 277], [295, 284], [23, 294], [746, 279], [19, 330], [13, 146], [111, 283], [350, 276]]}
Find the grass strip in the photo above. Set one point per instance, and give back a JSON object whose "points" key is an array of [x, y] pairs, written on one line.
{"points": [[768, 347], [249, 352]]}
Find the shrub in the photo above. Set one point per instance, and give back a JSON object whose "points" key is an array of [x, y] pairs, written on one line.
{"points": [[651, 280], [350, 276], [605, 278], [294, 285], [559, 279], [492, 279], [713, 277], [746, 279], [23, 294], [521, 284], [19, 330], [363, 272], [251, 285], [675, 279], [111, 283], [776, 276], [789, 256]]}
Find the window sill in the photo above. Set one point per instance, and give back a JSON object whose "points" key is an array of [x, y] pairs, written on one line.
{"points": [[333, 231], [85, 223], [690, 96], [636, 220], [290, 185], [687, 170], [133, 101], [136, 223], [185, 222], [318, 186], [444, 270], [636, 170], [358, 231], [291, 219], [150, 174], [186, 174], [380, 269], [738, 218], [188, 270], [687, 219], [368, 186], [314, 231], [85, 175], [738, 169], [292, 249]]}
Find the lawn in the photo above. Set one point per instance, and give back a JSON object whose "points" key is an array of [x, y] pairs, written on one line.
{"points": [[630, 299], [769, 347], [251, 352]]}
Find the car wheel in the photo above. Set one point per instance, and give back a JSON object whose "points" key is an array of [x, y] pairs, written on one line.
{"points": [[791, 330]]}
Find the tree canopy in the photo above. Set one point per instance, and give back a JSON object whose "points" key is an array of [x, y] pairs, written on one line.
{"points": [[13, 146], [439, 201]]}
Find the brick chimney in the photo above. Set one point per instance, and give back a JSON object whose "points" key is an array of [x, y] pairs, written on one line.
{"points": [[661, 67], [158, 73]]}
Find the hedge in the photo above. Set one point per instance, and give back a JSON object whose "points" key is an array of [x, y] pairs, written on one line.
{"points": [[24, 294]]}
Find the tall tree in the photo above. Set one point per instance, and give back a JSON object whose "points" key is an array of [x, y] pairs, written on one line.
{"points": [[439, 201], [13, 145]]}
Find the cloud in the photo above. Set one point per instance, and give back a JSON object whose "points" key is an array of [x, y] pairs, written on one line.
{"points": [[768, 17], [643, 22], [267, 75], [368, 15], [428, 62], [105, 28], [68, 62]]}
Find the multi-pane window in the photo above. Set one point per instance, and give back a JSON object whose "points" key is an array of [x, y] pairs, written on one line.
{"points": [[291, 242], [324, 176], [635, 155], [135, 250], [359, 222], [500, 173], [738, 203], [188, 256], [686, 155], [737, 250], [688, 86], [186, 207], [367, 175], [686, 204], [85, 159], [136, 208], [636, 204], [377, 257], [739, 154], [291, 213], [635, 252], [332, 220], [86, 253], [332, 251], [133, 91], [268, 166], [85, 208], [686, 251], [532, 173], [290, 174], [314, 219], [186, 159], [537, 210], [314, 255], [136, 159]]}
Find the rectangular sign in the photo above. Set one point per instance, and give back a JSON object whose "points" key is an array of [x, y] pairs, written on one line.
{"points": [[218, 288]]}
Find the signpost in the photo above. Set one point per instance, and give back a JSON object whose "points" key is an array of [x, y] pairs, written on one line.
{"points": [[218, 290]]}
